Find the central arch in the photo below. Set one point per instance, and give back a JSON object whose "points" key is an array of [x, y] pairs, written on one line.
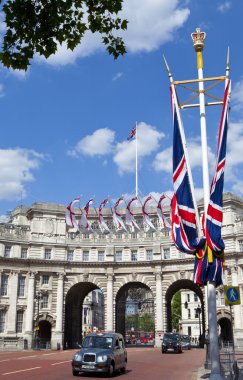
{"points": [[73, 312], [135, 300], [183, 284]]}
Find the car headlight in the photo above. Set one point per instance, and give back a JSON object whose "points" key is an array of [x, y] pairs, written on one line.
{"points": [[77, 357], [102, 358]]}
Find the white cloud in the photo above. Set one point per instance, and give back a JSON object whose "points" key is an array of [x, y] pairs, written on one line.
{"points": [[99, 143], [224, 7], [20, 74], [237, 96], [151, 24], [117, 76], [1, 90], [148, 142], [163, 160], [16, 167]]}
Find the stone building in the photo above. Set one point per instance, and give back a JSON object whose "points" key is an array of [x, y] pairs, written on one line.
{"points": [[46, 272]]}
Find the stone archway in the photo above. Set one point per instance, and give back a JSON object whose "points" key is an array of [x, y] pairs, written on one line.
{"points": [[225, 328], [138, 298], [183, 285], [73, 312], [45, 328]]}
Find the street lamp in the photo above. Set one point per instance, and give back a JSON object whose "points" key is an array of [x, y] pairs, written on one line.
{"points": [[38, 298], [199, 310]]}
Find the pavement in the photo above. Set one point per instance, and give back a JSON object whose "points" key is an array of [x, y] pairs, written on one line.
{"points": [[202, 373]]}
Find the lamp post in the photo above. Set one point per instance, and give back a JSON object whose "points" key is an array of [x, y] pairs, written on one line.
{"points": [[199, 310], [37, 299]]}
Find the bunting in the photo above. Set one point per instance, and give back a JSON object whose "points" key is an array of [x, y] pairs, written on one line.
{"points": [[117, 218], [165, 223], [100, 215], [70, 215], [146, 218], [83, 222], [130, 220]]}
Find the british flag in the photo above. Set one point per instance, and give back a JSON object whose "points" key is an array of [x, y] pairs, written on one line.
{"points": [[214, 217], [132, 133], [183, 216]]}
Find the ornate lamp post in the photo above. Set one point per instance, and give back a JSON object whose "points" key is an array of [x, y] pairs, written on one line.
{"points": [[199, 310], [38, 298]]}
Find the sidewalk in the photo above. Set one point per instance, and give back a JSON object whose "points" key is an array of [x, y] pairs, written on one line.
{"points": [[203, 373]]}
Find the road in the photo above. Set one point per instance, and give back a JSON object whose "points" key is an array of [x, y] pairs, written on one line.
{"points": [[143, 363]]}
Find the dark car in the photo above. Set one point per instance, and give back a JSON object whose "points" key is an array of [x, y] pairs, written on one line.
{"points": [[185, 342], [171, 342], [104, 352]]}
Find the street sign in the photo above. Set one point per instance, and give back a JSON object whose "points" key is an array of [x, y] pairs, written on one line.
{"points": [[232, 295]]}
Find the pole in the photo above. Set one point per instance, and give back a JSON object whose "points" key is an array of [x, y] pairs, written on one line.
{"points": [[136, 159], [183, 139], [198, 42]]}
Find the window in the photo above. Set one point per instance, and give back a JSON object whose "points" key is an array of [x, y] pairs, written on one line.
{"points": [[118, 256], [19, 321], [189, 329], [45, 279], [70, 255], [241, 245], [85, 236], [188, 297], [7, 250], [166, 253], [149, 234], [4, 285], [47, 255], [196, 313], [23, 253], [119, 235], [149, 254], [44, 301], [195, 297], [181, 255], [134, 235], [85, 255], [101, 255], [2, 320], [134, 255], [21, 286], [222, 300], [189, 313]]}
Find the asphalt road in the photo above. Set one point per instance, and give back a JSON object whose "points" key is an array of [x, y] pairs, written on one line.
{"points": [[143, 364]]}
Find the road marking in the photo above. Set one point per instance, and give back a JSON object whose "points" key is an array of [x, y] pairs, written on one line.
{"points": [[26, 357], [52, 353], [4, 360], [66, 361], [21, 370]]}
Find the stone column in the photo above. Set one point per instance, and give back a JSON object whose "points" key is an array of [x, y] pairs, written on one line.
{"points": [[30, 304], [236, 309], [57, 339], [158, 309], [12, 289], [109, 304]]}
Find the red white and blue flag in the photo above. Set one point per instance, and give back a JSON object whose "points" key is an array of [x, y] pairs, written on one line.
{"points": [[183, 216], [132, 133], [214, 217]]}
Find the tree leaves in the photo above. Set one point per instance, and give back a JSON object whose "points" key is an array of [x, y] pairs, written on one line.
{"points": [[38, 26]]}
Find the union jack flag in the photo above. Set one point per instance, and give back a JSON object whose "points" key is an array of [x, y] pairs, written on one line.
{"points": [[183, 216], [132, 133], [214, 217]]}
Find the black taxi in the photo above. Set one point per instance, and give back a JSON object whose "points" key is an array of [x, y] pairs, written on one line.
{"points": [[102, 352]]}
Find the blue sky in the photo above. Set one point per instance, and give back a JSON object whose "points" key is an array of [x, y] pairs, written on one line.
{"points": [[65, 122]]}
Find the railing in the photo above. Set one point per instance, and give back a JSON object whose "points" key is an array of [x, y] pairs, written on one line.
{"points": [[12, 343]]}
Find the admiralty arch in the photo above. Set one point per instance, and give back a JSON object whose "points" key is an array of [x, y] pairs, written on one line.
{"points": [[38, 255]]}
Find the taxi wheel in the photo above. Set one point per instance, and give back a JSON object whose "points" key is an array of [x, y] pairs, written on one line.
{"points": [[123, 369], [75, 373], [110, 370]]}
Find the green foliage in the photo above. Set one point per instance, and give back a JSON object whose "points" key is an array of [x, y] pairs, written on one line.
{"points": [[38, 26], [176, 310]]}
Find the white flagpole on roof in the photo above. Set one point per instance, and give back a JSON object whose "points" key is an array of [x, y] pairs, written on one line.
{"points": [[136, 134]]}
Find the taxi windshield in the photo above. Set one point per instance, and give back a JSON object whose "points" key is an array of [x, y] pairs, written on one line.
{"points": [[97, 342]]}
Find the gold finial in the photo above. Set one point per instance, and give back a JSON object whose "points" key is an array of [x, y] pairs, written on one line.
{"points": [[198, 38]]}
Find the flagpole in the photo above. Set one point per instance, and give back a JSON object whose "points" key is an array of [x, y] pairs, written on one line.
{"points": [[198, 43], [136, 160], [183, 140]]}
